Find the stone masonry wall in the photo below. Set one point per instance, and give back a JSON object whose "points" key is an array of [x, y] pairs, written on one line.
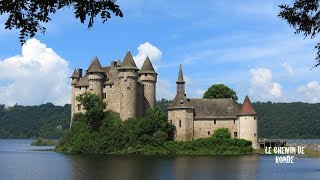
{"points": [[248, 129], [185, 131], [204, 128]]}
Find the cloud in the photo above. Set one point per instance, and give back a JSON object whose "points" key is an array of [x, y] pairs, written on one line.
{"points": [[37, 76], [288, 68], [261, 86], [310, 92], [147, 49]]}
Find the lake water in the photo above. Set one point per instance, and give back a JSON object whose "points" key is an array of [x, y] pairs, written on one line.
{"points": [[20, 160]]}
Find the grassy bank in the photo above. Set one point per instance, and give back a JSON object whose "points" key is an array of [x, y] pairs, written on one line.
{"points": [[43, 142]]}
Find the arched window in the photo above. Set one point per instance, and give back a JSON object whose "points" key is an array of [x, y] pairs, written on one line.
{"points": [[179, 123]]}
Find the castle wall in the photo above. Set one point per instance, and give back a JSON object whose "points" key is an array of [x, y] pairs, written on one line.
{"points": [[185, 116], [204, 128], [79, 91], [128, 101], [248, 129], [149, 82], [140, 100], [113, 97], [95, 83]]}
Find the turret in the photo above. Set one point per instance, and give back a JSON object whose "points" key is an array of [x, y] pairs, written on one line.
{"points": [[148, 77], [128, 77], [96, 77], [180, 82], [180, 112], [248, 123], [74, 79]]}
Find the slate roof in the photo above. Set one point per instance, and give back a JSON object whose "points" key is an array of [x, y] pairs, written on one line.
{"points": [[147, 67], [95, 66], [215, 108], [180, 102], [246, 108], [83, 81], [75, 74], [128, 62], [180, 75]]}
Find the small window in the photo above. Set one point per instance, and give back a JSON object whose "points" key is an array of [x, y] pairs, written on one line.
{"points": [[170, 121], [125, 80], [79, 88], [254, 118], [128, 88], [104, 95], [110, 86], [214, 121], [208, 132], [234, 121], [145, 74], [255, 134], [235, 134], [104, 86], [86, 87], [179, 123], [79, 107]]}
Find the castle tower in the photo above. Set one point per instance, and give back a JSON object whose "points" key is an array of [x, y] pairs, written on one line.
{"points": [[128, 77], [96, 77], [248, 123], [149, 78], [74, 79], [180, 112]]}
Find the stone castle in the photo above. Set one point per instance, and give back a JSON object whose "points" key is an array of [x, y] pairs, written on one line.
{"points": [[199, 118], [126, 89], [130, 92]]}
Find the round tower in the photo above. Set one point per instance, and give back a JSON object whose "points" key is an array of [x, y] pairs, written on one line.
{"points": [[96, 77], [74, 80], [148, 77], [248, 123], [128, 78]]}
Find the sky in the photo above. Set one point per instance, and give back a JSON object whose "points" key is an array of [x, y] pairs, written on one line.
{"points": [[242, 44]]}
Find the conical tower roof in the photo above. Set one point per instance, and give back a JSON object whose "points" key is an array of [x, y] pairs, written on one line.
{"points": [[147, 67], [180, 75], [75, 74], [246, 108], [95, 66], [128, 62]]}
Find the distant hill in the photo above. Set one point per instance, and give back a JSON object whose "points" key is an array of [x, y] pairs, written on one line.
{"points": [[47, 121], [276, 120]]}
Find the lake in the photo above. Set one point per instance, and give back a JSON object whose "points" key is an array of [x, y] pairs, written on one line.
{"points": [[20, 160]]}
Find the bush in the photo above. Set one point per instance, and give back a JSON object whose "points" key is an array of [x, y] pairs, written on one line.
{"points": [[221, 133]]}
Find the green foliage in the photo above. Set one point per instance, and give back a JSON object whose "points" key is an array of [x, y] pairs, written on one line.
{"points": [[303, 16], [221, 133], [288, 120], [94, 106], [46, 121], [29, 16], [116, 136], [220, 91], [43, 142]]}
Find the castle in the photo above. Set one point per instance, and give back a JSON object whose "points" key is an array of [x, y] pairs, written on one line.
{"points": [[199, 118], [126, 89], [131, 92]]}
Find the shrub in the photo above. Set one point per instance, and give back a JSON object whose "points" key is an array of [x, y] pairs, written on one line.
{"points": [[221, 133]]}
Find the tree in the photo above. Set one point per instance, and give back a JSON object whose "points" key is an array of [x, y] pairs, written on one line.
{"points": [[29, 15], [304, 17], [220, 91], [94, 107]]}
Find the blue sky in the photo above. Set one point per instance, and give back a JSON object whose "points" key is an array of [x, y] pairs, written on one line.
{"points": [[241, 44]]}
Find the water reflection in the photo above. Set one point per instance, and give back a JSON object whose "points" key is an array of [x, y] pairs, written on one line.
{"points": [[163, 167]]}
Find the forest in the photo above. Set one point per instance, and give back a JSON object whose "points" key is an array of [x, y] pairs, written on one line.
{"points": [[276, 120]]}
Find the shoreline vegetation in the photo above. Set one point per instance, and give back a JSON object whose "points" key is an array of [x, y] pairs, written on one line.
{"points": [[99, 132], [43, 142]]}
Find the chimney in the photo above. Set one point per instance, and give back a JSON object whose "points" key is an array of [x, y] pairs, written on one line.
{"points": [[113, 63], [80, 72]]}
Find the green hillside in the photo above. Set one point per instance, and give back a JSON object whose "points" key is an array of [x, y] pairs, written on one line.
{"points": [[46, 121]]}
